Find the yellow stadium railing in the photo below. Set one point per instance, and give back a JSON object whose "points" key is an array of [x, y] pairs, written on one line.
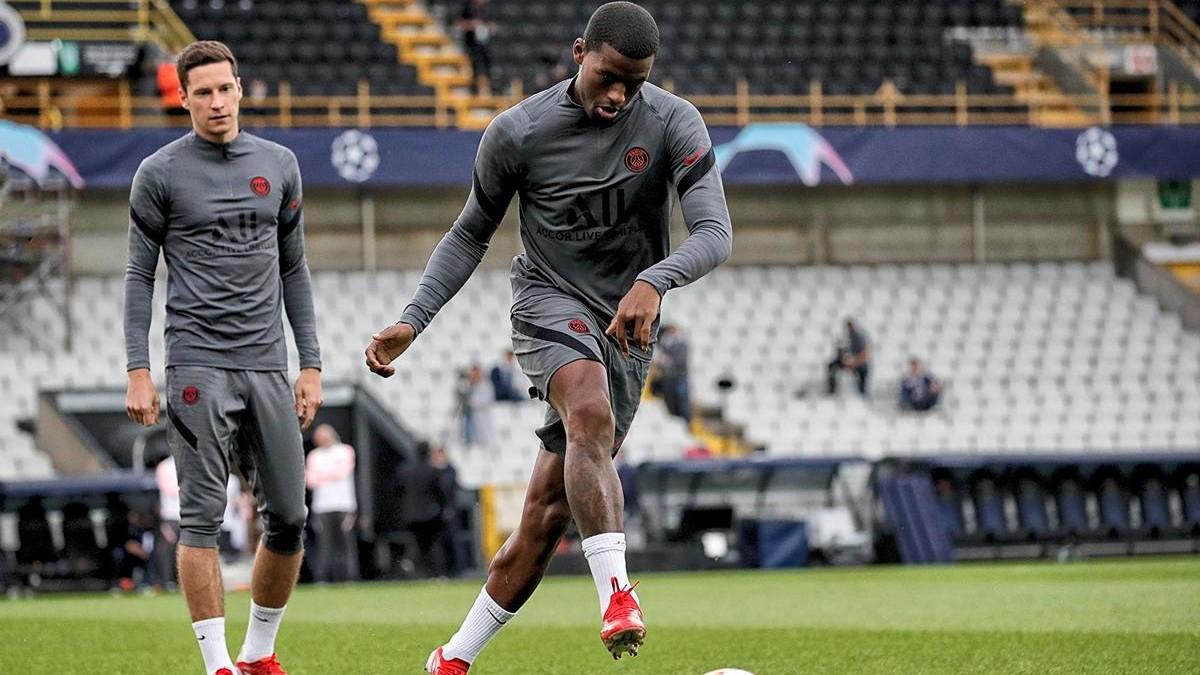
{"points": [[103, 21], [49, 108], [1157, 21]]}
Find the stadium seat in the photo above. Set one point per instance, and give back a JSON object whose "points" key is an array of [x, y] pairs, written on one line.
{"points": [[1031, 509], [950, 505], [1155, 507], [990, 521], [34, 535], [1114, 508], [80, 547], [303, 43], [1081, 384], [797, 41]]}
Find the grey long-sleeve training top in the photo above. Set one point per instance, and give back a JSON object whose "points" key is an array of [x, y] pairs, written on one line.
{"points": [[229, 220], [595, 203]]}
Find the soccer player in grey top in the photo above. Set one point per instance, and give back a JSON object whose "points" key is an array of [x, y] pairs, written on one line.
{"points": [[594, 160], [224, 208]]}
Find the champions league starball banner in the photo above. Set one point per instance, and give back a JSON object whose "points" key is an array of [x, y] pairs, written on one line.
{"points": [[12, 33], [759, 154]]}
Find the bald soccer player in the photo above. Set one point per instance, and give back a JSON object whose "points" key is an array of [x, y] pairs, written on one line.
{"points": [[595, 160]]}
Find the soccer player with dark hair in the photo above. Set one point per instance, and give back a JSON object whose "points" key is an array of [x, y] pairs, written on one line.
{"points": [[224, 209], [594, 160]]}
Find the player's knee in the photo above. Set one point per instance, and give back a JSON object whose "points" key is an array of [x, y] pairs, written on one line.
{"points": [[284, 532], [200, 524], [200, 535], [591, 422]]}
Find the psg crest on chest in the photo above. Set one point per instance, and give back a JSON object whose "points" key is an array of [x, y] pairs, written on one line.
{"points": [[260, 186], [637, 159]]}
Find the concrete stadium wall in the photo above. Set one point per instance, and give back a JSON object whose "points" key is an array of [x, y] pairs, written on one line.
{"points": [[773, 225]]}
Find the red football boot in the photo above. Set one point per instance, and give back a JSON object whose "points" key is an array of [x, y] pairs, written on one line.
{"points": [[265, 666], [623, 630], [437, 664]]}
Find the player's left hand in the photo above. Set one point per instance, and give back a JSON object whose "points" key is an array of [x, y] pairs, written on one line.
{"points": [[309, 396], [639, 307]]}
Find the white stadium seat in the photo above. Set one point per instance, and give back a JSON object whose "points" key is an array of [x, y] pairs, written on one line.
{"points": [[1046, 357]]}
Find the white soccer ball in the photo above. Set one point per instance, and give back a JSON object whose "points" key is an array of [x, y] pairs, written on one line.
{"points": [[355, 155], [729, 671], [1096, 151]]}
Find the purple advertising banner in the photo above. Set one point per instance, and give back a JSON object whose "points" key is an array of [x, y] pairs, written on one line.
{"points": [[774, 154]]}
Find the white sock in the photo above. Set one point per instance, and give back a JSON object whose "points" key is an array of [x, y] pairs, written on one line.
{"points": [[605, 554], [260, 633], [210, 633], [485, 619]]}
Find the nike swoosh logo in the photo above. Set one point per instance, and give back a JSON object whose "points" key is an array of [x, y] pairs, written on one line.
{"points": [[694, 157], [494, 618], [262, 619], [201, 638]]}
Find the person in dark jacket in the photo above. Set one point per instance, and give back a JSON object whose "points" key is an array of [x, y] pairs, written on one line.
{"points": [[853, 353], [502, 375], [423, 513], [918, 390]]}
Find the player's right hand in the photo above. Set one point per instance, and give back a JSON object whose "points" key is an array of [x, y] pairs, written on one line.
{"points": [[386, 346], [141, 398]]}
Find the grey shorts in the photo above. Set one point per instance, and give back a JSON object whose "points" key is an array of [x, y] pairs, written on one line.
{"points": [[556, 330], [218, 419]]}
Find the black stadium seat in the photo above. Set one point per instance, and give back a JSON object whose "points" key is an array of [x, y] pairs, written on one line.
{"points": [[785, 36], [323, 47], [852, 46]]}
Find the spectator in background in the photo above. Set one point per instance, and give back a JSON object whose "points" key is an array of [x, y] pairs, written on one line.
{"points": [[474, 405], [672, 364], [167, 78], [475, 22], [132, 554], [627, 473], [853, 353], [168, 521], [423, 510], [36, 548], [502, 380], [329, 473], [446, 479], [918, 390], [116, 531], [238, 523]]}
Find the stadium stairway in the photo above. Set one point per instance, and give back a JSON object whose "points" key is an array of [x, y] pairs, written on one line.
{"points": [[722, 437], [1032, 85], [1045, 24], [423, 43], [912, 512]]}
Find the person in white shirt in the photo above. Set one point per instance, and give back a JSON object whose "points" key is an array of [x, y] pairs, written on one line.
{"points": [[329, 473], [475, 400], [238, 521], [168, 516]]}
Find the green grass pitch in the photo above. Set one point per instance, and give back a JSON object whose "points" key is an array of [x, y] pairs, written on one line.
{"points": [[1121, 616]]}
